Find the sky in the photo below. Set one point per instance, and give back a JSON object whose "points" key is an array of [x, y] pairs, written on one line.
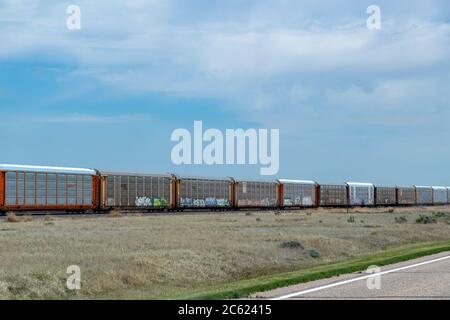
{"points": [[351, 104]]}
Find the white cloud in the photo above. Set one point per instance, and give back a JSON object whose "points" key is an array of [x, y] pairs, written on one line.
{"points": [[258, 56]]}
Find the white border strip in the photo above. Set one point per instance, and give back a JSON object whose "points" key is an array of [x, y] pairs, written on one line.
{"points": [[299, 293]]}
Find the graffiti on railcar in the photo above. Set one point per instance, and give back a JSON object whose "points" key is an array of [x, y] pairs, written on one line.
{"points": [[201, 203], [150, 202], [298, 201]]}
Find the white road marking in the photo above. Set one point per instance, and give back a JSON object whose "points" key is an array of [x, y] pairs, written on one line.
{"points": [[299, 293]]}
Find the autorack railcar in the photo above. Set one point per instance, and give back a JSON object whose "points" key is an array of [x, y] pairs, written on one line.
{"points": [[406, 195], [120, 190], [385, 196], [361, 194], [256, 194], [47, 188], [333, 195], [424, 195], [298, 193], [440, 195], [201, 192], [25, 188]]}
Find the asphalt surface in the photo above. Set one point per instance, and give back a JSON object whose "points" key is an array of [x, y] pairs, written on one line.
{"points": [[429, 281]]}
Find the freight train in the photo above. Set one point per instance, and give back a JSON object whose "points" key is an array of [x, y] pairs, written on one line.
{"points": [[38, 188]]}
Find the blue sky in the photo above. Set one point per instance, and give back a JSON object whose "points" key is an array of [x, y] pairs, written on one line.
{"points": [[350, 103]]}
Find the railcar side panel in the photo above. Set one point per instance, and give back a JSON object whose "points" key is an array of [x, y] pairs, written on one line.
{"points": [[333, 195], [424, 195], [298, 194], [406, 195], [23, 190], [196, 192], [256, 194], [361, 194], [440, 195], [2, 190], [385, 196], [136, 191]]}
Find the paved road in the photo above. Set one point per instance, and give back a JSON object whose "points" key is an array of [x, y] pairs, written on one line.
{"points": [[431, 280]]}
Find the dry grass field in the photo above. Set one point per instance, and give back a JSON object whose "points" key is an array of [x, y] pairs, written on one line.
{"points": [[132, 256]]}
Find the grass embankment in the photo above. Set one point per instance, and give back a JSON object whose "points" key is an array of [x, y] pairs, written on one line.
{"points": [[132, 256], [245, 288]]}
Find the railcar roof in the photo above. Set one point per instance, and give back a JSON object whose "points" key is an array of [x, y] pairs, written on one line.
{"points": [[360, 184], [439, 188], [250, 181], [204, 178], [297, 181], [133, 174], [45, 169]]}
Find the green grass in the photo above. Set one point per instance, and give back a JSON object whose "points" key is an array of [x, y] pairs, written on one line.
{"points": [[244, 288]]}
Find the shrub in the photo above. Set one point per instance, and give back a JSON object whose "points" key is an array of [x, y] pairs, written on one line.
{"points": [[314, 253], [11, 217], [401, 219], [425, 219], [351, 219], [440, 214], [291, 245]]}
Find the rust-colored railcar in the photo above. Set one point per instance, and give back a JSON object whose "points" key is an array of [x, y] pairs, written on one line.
{"points": [[385, 196], [256, 194], [406, 195], [332, 195], [28, 188]]}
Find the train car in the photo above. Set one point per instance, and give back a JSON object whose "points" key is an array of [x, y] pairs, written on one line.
{"points": [[385, 196], [361, 194], [298, 193], [200, 192], [128, 191], [424, 195], [440, 195], [406, 196], [256, 194], [448, 195], [333, 195], [29, 188]]}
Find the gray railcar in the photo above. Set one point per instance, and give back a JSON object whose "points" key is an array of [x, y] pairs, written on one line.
{"points": [[298, 193], [136, 191], [361, 194], [201, 192], [440, 195], [256, 194], [424, 195]]}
